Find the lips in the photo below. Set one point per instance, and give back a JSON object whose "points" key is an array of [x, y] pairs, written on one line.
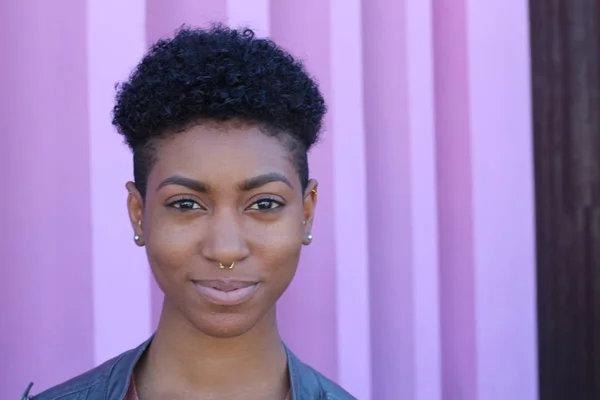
{"points": [[224, 285], [226, 292]]}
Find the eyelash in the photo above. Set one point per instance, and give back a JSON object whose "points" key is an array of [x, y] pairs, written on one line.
{"points": [[177, 205], [179, 202], [277, 204]]}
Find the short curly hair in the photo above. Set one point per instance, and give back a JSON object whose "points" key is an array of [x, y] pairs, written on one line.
{"points": [[217, 74]]}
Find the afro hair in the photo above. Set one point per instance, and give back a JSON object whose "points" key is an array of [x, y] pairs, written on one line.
{"points": [[217, 74]]}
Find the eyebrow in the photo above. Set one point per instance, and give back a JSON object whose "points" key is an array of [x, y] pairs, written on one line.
{"points": [[189, 183], [261, 180], [245, 186]]}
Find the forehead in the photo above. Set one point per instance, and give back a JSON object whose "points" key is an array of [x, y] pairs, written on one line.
{"points": [[222, 152]]}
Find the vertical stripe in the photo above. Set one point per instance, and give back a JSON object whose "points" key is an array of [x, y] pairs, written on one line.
{"points": [[121, 274], [347, 137]]}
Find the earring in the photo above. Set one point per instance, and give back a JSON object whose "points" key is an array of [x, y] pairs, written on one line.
{"points": [[309, 236], [137, 237]]}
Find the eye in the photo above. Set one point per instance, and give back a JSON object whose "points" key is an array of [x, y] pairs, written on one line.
{"points": [[185, 205], [265, 205]]}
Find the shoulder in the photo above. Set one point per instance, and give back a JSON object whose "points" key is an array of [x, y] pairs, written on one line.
{"points": [[103, 379], [331, 390], [311, 383], [74, 387]]}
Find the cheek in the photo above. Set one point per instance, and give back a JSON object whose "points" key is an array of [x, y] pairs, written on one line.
{"points": [[170, 250], [277, 250], [280, 267]]}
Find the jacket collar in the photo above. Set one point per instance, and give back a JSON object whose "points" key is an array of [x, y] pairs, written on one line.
{"points": [[304, 385]]}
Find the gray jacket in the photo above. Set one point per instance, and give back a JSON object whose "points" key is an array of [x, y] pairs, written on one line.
{"points": [[110, 381]]}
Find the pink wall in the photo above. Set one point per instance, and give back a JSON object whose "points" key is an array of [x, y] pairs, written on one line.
{"points": [[420, 284]]}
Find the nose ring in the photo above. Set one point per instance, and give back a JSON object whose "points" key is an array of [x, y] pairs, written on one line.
{"points": [[226, 266]]}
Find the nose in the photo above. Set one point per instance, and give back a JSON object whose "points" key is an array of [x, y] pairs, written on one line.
{"points": [[225, 241]]}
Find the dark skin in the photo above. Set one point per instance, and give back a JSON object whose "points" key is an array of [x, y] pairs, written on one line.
{"points": [[240, 201]]}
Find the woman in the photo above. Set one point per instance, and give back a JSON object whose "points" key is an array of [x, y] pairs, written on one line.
{"points": [[219, 123]]}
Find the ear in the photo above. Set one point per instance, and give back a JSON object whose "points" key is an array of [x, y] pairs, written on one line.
{"points": [[310, 203], [135, 208]]}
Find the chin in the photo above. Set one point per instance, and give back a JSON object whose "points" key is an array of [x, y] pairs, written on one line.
{"points": [[225, 325]]}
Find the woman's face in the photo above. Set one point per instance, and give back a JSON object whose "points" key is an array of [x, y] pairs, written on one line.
{"points": [[220, 195]]}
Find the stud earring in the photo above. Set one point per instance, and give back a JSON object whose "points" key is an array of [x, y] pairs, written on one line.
{"points": [[137, 237], [309, 236]]}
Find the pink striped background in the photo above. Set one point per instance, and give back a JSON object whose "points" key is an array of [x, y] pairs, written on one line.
{"points": [[420, 284]]}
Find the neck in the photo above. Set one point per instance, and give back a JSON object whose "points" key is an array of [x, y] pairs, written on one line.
{"points": [[181, 360]]}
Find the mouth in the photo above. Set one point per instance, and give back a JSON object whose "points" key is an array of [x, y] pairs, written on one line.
{"points": [[226, 292]]}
